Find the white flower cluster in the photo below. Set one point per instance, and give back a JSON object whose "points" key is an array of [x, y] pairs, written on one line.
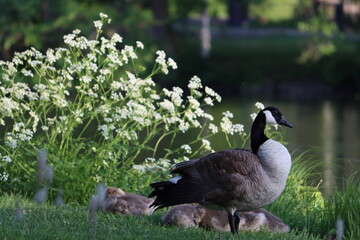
{"points": [[6, 159], [227, 125], [195, 83], [4, 177], [258, 106], [89, 87], [163, 63], [153, 165], [187, 148]]}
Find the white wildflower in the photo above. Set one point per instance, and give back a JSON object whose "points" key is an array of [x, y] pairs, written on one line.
{"points": [[167, 105], [139, 45], [103, 15], [18, 126], [183, 126], [140, 168], [6, 159], [150, 159], [4, 177], [85, 79], [167, 92], [129, 52], [238, 128], [171, 63], [161, 61], [253, 116], [259, 105], [8, 105], [116, 38], [213, 128], [206, 144], [208, 116], [34, 63], [194, 104], [154, 96], [104, 71], [208, 101], [176, 96], [226, 126], [50, 56], [69, 39], [187, 148], [98, 24], [212, 93], [228, 114], [36, 120], [27, 73], [11, 142], [161, 57], [195, 83]]}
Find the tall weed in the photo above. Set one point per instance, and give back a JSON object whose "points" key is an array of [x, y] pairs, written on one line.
{"points": [[101, 117]]}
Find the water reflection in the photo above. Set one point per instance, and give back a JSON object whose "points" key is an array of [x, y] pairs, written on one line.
{"points": [[332, 128]]}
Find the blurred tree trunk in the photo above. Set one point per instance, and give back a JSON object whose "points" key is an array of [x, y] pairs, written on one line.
{"points": [[238, 12], [160, 11], [316, 5], [45, 12], [339, 15], [205, 31], [162, 28]]}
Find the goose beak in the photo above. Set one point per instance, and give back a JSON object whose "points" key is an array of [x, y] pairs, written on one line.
{"points": [[285, 123]]}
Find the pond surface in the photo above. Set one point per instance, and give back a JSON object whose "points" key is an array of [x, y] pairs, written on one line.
{"points": [[330, 130]]}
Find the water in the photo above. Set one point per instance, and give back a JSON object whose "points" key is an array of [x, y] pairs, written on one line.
{"points": [[328, 129]]}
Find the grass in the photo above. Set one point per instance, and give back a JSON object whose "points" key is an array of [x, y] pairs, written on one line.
{"points": [[50, 222], [302, 207]]}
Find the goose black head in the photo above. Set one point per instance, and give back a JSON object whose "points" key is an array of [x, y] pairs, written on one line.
{"points": [[274, 116]]}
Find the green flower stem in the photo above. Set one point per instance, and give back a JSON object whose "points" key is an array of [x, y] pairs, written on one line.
{"points": [[159, 140]]}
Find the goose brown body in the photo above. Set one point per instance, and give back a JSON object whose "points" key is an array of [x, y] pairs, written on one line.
{"points": [[233, 178]]}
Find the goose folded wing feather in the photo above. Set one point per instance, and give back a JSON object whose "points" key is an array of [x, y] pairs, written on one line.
{"points": [[220, 173]]}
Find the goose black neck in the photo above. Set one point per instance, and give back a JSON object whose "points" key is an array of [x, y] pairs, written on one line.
{"points": [[257, 132]]}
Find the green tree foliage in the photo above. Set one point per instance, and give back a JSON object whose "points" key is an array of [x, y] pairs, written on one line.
{"points": [[42, 23]]}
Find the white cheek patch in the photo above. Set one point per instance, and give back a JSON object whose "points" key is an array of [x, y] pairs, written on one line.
{"points": [[269, 117]]}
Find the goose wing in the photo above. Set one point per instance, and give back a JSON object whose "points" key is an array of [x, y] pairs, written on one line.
{"points": [[223, 174], [230, 161], [212, 179]]}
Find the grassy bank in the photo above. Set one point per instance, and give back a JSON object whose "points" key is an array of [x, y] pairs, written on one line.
{"points": [[302, 207], [50, 222]]}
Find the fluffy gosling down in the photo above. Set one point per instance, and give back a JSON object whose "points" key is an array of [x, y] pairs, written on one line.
{"points": [[195, 215], [122, 203], [234, 179]]}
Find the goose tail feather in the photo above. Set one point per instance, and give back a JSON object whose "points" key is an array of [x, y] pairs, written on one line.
{"points": [[179, 190]]}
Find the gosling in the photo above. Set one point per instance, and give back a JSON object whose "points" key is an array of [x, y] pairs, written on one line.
{"points": [[195, 215], [122, 203]]}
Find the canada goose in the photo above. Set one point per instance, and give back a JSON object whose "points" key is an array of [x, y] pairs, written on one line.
{"points": [[126, 203], [190, 215], [234, 179]]}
